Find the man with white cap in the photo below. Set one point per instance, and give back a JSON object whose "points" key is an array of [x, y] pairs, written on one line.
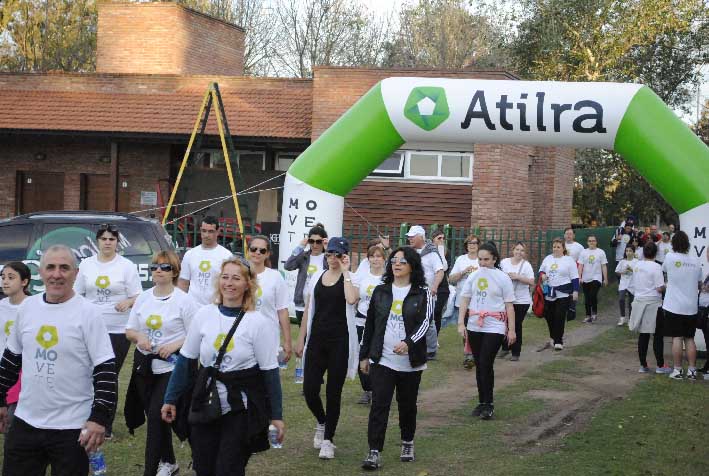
{"points": [[434, 267]]}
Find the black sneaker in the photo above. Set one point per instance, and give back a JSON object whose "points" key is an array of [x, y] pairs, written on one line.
{"points": [[407, 451], [372, 461], [365, 399], [487, 412], [503, 354], [431, 356], [478, 410]]}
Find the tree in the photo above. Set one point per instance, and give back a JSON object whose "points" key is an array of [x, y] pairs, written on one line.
{"points": [[48, 35]]}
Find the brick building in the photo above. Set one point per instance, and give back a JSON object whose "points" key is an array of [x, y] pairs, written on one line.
{"points": [[114, 139]]}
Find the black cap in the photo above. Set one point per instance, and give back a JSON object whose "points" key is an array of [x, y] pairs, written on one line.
{"points": [[337, 244]]}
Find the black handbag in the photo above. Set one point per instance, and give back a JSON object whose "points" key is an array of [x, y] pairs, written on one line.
{"points": [[206, 406]]}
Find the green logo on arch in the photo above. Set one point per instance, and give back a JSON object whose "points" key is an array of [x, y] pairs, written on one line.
{"points": [[427, 107]]}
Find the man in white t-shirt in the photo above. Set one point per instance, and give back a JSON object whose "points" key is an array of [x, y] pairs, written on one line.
{"points": [[201, 265], [434, 268], [573, 248], [69, 382]]}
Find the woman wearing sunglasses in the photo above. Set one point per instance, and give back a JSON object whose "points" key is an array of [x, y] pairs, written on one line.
{"points": [[308, 263], [328, 342], [393, 350], [272, 295], [112, 282], [158, 325], [462, 268]]}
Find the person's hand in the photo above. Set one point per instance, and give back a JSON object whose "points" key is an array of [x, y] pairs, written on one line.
{"points": [[281, 429], [401, 348], [469, 269], [144, 343], [385, 241], [168, 412], [514, 276], [511, 337], [299, 348], [164, 351], [4, 419], [287, 351], [575, 296], [461, 329], [345, 262], [364, 366], [92, 436], [324, 242], [304, 242], [123, 306], [434, 292], [605, 282]]}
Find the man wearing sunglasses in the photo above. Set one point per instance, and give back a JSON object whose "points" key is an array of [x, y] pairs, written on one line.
{"points": [[201, 264]]}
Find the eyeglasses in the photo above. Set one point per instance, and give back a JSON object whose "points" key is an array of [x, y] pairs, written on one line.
{"points": [[332, 254], [314, 242], [108, 227], [254, 249], [398, 260], [160, 266]]}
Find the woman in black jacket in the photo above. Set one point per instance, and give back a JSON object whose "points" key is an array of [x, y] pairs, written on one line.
{"points": [[393, 350]]}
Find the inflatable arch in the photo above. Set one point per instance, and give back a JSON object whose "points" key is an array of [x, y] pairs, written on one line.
{"points": [[628, 118]]}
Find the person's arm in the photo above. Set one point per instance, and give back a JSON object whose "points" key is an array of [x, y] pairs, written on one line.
{"points": [[456, 273], [293, 261], [139, 339], [438, 277], [462, 311], [284, 321], [511, 333], [183, 284], [300, 346], [351, 292], [604, 269], [366, 343], [180, 380]]}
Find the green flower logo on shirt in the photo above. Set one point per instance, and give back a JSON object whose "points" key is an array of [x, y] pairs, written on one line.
{"points": [[103, 282], [154, 322], [591, 259], [678, 264], [205, 266], [396, 307], [554, 267], [220, 340], [47, 337], [8, 327], [312, 269], [370, 289], [259, 292], [482, 284]]}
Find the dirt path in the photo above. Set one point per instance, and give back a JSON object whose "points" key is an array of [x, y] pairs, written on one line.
{"points": [[565, 411]]}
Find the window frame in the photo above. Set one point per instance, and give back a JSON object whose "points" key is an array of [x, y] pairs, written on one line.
{"points": [[392, 173], [405, 167]]}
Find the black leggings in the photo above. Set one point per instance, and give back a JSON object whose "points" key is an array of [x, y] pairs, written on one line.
{"points": [[658, 344], [221, 448], [329, 356], [555, 315], [441, 301], [520, 312], [158, 441], [590, 297], [485, 346], [622, 300], [121, 346], [363, 378]]}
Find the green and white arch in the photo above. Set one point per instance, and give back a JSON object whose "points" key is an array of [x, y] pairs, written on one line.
{"points": [[628, 118]]}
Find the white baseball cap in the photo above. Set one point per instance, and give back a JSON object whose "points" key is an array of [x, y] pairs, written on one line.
{"points": [[416, 230]]}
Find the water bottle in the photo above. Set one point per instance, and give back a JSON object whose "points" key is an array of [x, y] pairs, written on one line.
{"points": [[298, 370], [273, 437], [172, 359], [545, 289], [97, 463], [282, 358]]}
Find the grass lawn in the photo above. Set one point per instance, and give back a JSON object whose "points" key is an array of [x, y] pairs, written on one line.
{"points": [[658, 428]]}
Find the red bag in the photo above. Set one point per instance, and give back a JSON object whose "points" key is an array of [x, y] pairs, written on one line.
{"points": [[538, 299]]}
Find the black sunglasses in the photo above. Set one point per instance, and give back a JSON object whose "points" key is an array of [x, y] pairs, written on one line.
{"points": [[314, 242], [254, 249], [108, 227], [336, 255], [161, 267]]}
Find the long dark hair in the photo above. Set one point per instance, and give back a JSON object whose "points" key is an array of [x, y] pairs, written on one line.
{"points": [[492, 249], [25, 274], [414, 260]]}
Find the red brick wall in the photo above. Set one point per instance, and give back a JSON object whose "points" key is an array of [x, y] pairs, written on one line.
{"points": [[551, 180], [143, 164], [165, 38]]}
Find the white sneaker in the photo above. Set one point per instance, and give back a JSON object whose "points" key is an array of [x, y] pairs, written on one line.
{"points": [[167, 469], [677, 374], [319, 436], [621, 322], [558, 346], [327, 450], [692, 374]]}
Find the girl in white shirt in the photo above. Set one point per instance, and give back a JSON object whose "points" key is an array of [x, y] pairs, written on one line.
{"points": [[463, 267], [487, 300], [157, 325], [520, 272], [560, 274], [624, 270], [594, 274]]}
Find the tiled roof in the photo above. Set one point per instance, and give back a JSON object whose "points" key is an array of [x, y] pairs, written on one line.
{"points": [[253, 112]]}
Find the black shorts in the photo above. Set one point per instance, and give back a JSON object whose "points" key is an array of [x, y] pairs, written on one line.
{"points": [[679, 325]]}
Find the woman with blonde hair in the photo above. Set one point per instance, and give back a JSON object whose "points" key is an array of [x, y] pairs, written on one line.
{"points": [[463, 267], [234, 344]]}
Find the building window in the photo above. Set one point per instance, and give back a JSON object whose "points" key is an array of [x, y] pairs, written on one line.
{"points": [[427, 165], [285, 160]]}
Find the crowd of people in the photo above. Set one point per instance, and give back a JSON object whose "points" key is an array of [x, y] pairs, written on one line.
{"points": [[213, 330]]}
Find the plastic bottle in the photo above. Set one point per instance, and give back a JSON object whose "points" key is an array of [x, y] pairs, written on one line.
{"points": [[97, 463], [545, 289], [273, 437], [298, 370], [282, 358]]}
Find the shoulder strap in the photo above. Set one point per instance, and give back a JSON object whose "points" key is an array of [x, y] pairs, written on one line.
{"points": [[227, 339]]}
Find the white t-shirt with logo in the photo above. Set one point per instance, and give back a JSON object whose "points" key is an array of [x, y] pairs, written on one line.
{"points": [[683, 275], [365, 284], [574, 249], [592, 261], [462, 263], [559, 271], [522, 295], [622, 244], [639, 253], [251, 345], [272, 294], [363, 267], [395, 333], [201, 266], [662, 250], [60, 346], [163, 319], [626, 268], [431, 263], [488, 289], [107, 284], [8, 315], [315, 265], [646, 278]]}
